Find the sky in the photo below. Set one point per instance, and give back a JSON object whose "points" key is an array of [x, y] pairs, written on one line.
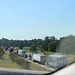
{"points": [[30, 19]]}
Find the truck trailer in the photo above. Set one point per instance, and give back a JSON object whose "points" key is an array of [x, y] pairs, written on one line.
{"points": [[56, 61], [41, 58], [22, 53]]}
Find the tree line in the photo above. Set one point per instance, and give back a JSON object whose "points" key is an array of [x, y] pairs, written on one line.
{"points": [[15, 43], [48, 44]]}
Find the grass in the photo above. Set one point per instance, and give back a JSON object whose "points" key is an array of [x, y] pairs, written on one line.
{"points": [[70, 57], [38, 68], [39, 51], [26, 64], [27, 49], [6, 62], [48, 53], [17, 48]]}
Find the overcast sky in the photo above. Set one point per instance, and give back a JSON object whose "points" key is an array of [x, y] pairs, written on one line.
{"points": [[29, 19]]}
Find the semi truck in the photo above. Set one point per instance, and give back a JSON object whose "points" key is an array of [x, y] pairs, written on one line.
{"points": [[22, 53], [56, 61], [41, 58]]}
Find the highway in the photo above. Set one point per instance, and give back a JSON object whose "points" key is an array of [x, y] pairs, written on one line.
{"points": [[51, 69], [8, 71], [69, 70]]}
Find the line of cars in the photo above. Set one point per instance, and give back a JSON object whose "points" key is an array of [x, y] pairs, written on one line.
{"points": [[24, 54], [52, 61]]}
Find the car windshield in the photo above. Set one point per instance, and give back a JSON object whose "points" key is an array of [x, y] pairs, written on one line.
{"points": [[37, 35]]}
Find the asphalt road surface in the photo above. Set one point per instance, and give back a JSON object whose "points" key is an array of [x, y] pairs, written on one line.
{"points": [[8, 71]]}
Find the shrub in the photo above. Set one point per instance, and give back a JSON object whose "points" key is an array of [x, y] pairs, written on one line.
{"points": [[27, 65], [1, 52], [22, 62], [13, 57], [48, 53]]}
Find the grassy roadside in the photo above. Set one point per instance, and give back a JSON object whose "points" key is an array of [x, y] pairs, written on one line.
{"points": [[70, 57], [27, 49], [38, 51], [26, 64], [6, 62]]}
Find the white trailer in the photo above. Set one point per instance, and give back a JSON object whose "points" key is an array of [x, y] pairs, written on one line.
{"points": [[41, 58], [22, 53], [56, 61]]}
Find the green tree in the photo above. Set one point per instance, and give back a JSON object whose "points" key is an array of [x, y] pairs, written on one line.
{"points": [[1, 52], [52, 46], [49, 44], [33, 48], [44, 47], [47, 39], [21, 46], [52, 38], [67, 45]]}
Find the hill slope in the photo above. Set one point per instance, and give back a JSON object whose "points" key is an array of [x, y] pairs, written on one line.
{"points": [[6, 62]]}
